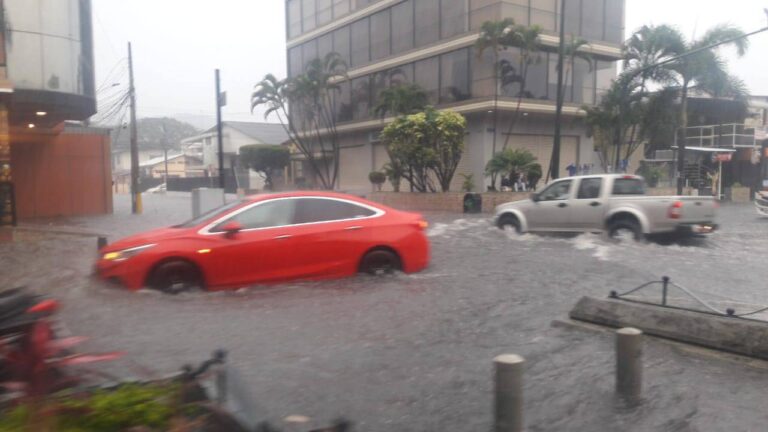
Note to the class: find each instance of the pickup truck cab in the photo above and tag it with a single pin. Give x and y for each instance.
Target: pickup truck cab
(612, 203)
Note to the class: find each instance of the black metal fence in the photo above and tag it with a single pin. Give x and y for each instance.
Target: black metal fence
(188, 183)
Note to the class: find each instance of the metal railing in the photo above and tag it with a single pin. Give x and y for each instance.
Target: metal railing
(666, 283)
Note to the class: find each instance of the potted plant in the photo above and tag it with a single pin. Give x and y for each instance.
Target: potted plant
(377, 178)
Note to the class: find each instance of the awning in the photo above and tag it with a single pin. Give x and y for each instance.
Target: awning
(709, 149)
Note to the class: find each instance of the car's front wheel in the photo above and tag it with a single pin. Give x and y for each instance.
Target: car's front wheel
(380, 261)
(510, 223)
(174, 277)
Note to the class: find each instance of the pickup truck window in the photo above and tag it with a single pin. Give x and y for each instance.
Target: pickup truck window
(556, 191)
(630, 186)
(589, 188)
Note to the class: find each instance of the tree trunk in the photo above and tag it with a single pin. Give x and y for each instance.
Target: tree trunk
(681, 138)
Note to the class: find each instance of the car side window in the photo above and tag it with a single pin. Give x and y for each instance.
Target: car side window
(265, 215)
(556, 191)
(589, 188)
(310, 210)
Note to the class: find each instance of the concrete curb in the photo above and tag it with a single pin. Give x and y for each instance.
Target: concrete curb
(739, 336)
(59, 229)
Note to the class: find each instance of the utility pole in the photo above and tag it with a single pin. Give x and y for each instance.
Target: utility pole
(219, 104)
(136, 206)
(165, 151)
(554, 164)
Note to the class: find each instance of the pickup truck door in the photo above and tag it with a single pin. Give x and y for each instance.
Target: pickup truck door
(588, 205)
(550, 211)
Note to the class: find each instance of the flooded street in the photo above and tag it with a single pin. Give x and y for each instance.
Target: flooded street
(413, 352)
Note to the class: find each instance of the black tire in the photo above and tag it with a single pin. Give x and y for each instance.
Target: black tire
(380, 261)
(618, 227)
(509, 221)
(174, 277)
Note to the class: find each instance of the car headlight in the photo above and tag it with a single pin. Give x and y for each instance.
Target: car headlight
(124, 254)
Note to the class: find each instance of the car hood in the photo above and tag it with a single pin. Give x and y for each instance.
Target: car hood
(513, 205)
(148, 237)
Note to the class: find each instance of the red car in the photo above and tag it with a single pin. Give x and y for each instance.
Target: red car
(270, 238)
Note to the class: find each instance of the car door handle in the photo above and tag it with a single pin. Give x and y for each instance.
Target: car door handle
(353, 228)
(283, 237)
(594, 204)
(561, 205)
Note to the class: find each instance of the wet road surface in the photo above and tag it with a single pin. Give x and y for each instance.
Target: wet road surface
(413, 352)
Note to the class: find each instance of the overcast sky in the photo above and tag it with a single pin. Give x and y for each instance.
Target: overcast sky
(177, 44)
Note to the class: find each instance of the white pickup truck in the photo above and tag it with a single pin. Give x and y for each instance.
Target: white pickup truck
(611, 203)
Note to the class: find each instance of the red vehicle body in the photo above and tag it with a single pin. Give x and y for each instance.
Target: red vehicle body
(271, 238)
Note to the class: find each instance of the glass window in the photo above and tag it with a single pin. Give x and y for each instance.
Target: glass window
(210, 215)
(517, 12)
(266, 215)
(309, 210)
(402, 27)
(344, 102)
(454, 76)
(614, 21)
(628, 186)
(309, 51)
(592, 16)
(589, 188)
(294, 62)
(361, 98)
(308, 15)
(453, 15)
(536, 78)
(341, 43)
(583, 81)
(543, 14)
(294, 18)
(426, 73)
(380, 29)
(605, 72)
(324, 45)
(510, 72)
(361, 49)
(340, 8)
(324, 14)
(427, 15)
(482, 73)
(400, 75)
(573, 17)
(556, 191)
(379, 83)
(567, 81)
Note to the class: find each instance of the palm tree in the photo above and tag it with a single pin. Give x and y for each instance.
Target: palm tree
(306, 107)
(402, 99)
(492, 36)
(573, 51)
(526, 39)
(699, 69)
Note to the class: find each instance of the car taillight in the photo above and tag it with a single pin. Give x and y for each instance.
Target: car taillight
(422, 224)
(675, 210)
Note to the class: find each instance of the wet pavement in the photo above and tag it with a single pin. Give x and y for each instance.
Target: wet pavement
(414, 352)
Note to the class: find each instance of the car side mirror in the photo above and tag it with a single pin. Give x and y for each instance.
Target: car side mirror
(535, 197)
(231, 228)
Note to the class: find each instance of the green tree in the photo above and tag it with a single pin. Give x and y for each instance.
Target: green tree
(401, 99)
(377, 178)
(266, 160)
(306, 107)
(156, 133)
(512, 162)
(429, 142)
(527, 40)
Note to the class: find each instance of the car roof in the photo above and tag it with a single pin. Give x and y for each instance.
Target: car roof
(318, 194)
(628, 176)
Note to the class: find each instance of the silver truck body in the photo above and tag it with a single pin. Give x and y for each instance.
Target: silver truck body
(607, 203)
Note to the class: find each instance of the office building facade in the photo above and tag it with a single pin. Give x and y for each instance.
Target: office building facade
(431, 43)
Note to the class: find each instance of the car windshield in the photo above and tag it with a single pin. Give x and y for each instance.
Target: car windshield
(211, 214)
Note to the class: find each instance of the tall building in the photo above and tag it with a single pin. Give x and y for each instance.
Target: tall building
(46, 79)
(431, 43)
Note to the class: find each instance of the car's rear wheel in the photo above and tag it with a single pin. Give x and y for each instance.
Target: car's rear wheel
(510, 223)
(174, 277)
(625, 229)
(380, 261)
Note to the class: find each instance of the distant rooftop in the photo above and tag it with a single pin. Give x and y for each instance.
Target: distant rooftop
(267, 133)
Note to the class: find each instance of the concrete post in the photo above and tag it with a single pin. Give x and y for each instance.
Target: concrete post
(508, 410)
(629, 363)
(101, 241)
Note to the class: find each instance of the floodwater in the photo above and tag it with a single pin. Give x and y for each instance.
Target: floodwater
(414, 352)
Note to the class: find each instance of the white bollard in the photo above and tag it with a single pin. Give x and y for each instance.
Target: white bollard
(629, 363)
(508, 410)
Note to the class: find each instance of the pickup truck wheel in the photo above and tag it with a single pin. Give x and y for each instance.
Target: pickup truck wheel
(624, 229)
(509, 222)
